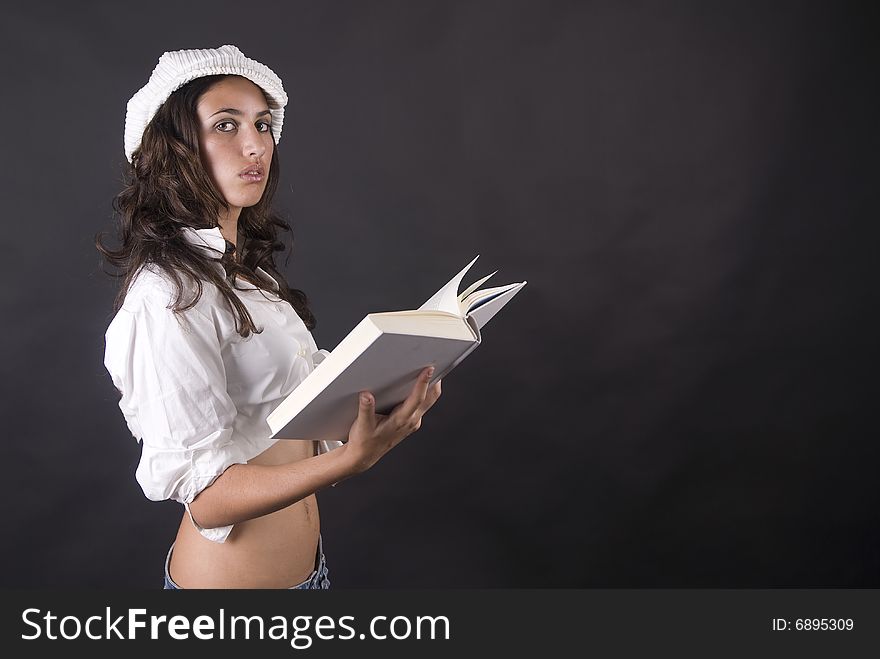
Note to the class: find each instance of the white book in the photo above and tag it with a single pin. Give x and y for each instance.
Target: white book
(384, 354)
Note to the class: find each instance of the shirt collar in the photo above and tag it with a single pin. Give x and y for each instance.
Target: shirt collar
(212, 243)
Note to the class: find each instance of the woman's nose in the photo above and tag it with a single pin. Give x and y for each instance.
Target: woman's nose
(253, 143)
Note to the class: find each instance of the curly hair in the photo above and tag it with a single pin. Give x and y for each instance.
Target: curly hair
(166, 188)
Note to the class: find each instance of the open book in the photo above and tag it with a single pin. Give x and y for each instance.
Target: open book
(384, 354)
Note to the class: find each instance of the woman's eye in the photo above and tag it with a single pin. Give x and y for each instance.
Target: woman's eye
(268, 126)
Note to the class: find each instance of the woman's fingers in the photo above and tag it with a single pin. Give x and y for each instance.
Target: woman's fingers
(413, 403)
(431, 397)
(373, 434)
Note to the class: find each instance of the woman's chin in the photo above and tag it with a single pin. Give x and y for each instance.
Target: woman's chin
(245, 201)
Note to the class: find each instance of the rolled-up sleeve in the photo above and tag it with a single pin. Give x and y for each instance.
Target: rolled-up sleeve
(169, 370)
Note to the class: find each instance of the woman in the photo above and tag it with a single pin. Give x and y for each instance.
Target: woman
(208, 338)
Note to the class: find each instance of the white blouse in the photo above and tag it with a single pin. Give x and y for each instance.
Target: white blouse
(194, 392)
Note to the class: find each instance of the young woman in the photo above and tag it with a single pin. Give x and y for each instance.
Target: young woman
(208, 338)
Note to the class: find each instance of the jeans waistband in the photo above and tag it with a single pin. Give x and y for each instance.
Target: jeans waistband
(317, 579)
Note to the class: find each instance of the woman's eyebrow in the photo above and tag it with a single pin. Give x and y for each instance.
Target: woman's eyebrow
(239, 112)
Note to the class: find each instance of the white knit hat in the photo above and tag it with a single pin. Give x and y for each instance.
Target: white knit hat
(178, 67)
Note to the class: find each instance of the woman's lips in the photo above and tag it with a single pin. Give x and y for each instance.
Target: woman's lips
(253, 173)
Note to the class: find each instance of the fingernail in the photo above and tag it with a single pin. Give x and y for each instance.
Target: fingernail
(430, 372)
(365, 399)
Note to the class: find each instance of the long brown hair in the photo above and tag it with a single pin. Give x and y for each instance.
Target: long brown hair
(166, 188)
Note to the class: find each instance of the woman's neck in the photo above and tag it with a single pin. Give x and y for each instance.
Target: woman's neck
(229, 225)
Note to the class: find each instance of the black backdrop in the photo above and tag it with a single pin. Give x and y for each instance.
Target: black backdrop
(683, 394)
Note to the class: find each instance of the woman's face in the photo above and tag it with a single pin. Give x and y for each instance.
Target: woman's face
(235, 137)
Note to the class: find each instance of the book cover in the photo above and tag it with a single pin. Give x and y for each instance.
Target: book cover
(384, 354)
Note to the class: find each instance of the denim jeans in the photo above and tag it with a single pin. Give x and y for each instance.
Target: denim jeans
(316, 581)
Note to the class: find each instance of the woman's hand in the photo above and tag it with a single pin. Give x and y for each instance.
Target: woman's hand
(373, 435)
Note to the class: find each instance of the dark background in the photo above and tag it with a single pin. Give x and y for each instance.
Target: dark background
(684, 393)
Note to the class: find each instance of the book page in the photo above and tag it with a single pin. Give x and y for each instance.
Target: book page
(478, 298)
(446, 299)
(471, 289)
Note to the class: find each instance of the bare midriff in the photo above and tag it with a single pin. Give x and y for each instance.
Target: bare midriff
(272, 551)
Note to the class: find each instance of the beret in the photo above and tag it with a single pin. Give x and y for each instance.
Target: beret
(177, 67)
